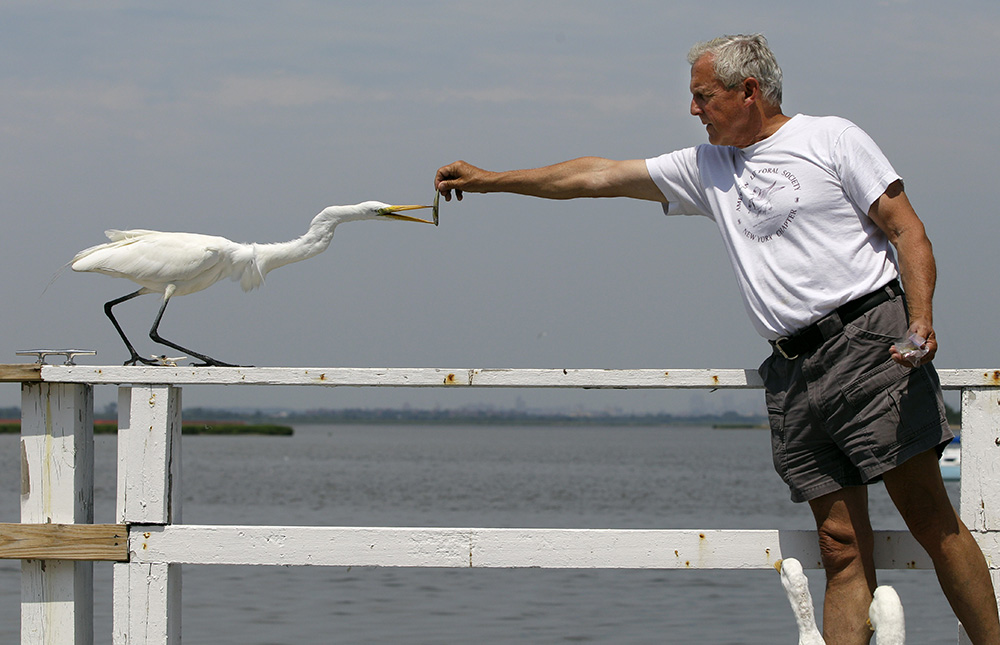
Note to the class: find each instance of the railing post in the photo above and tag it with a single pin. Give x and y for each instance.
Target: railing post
(57, 486)
(147, 596)
(980, 492)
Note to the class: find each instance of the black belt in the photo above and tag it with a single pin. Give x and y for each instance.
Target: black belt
(813, 336)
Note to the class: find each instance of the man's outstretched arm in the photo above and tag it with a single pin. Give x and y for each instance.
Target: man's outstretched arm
(583, 177)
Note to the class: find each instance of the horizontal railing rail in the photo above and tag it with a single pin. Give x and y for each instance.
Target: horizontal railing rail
(951, 379)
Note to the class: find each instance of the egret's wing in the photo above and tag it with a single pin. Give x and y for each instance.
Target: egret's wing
(154, 259)
(115, 235)
(112, 234)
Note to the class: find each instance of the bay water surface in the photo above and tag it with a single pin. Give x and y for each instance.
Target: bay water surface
(480, 476)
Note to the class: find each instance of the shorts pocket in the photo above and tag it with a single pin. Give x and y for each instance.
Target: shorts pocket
(865, 368)
(919, 403)
(774, 401)
(776, 421)
(863, 389)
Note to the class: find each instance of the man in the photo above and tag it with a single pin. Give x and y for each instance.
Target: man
(808, 209)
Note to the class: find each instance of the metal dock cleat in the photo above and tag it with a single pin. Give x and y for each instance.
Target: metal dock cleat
(70, 354)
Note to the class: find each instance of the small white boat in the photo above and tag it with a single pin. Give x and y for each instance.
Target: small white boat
(951, 460)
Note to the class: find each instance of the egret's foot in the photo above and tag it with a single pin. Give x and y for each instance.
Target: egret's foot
(139, 359)
(211, 362)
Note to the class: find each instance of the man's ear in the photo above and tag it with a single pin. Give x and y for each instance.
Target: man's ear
(751, 90)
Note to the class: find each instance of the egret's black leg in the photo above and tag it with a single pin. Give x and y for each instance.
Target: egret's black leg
(155, 335)
(135, 358)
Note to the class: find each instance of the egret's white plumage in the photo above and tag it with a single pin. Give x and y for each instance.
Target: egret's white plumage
(176, 264)
(886, 617)
(797, 587)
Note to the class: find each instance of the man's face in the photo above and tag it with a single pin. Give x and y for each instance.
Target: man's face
(723, 111)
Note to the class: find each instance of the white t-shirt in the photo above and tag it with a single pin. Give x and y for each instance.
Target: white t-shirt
(793, 213)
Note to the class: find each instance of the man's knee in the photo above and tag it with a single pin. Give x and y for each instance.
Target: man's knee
(844, 546)
(931, 523)
(845, 532)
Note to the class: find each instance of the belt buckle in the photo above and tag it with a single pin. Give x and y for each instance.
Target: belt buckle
(777, 346)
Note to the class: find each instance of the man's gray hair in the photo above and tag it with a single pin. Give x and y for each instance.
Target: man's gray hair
(737, 58)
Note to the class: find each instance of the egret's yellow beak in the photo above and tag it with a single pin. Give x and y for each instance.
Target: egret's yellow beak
(393, 212)
(777, 566)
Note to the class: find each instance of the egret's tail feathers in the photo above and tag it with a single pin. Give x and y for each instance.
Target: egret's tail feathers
(113, 235)
(82, 254)
(55, 275)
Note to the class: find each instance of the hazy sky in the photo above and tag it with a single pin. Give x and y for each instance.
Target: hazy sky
(246, 118)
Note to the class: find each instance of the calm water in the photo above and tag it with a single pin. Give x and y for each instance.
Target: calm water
(480, 476)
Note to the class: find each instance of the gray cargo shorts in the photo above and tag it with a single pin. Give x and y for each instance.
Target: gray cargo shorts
(845, 413)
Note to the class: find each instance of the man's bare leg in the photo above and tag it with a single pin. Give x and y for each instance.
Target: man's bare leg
(846, 543)
(917, 490)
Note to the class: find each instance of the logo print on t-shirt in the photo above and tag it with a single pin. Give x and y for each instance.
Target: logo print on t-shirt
(768, 202)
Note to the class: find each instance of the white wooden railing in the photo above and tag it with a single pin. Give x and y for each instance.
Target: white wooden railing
(58, 542)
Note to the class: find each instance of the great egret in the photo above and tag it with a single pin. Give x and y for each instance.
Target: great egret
(176, 264)
(797, 587)
(886, 617)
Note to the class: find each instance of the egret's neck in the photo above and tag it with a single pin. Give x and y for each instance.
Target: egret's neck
(314, 242)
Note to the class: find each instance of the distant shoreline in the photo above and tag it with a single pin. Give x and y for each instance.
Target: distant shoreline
(244, 422)
(13, 426)
(396, 416)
